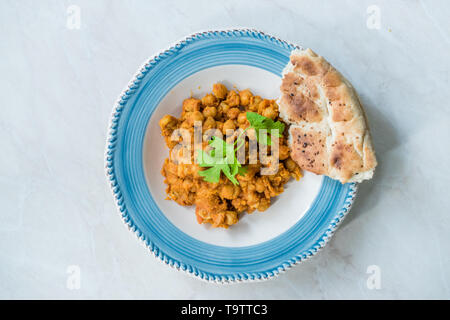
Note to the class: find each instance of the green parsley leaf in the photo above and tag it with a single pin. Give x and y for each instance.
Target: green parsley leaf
(259, 122)
(227, 171)
(211, 175)
(218, 163)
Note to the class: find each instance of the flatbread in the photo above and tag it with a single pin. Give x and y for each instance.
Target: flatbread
(328, 132)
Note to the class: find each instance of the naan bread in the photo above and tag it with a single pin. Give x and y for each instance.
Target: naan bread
(328, 131)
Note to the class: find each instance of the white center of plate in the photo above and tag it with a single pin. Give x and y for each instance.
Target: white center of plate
(286, 209)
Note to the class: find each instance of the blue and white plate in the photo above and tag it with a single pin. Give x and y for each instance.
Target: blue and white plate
(263, 244)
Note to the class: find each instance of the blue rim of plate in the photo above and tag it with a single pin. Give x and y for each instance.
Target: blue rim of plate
(125, 173)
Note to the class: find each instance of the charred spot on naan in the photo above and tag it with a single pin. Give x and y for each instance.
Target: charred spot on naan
(309, 149)
(331, 78)
(292, 83)
(299, 96)
(338, 103)
(338, 96)
(301, 108)
(345, 159)
(307, 66)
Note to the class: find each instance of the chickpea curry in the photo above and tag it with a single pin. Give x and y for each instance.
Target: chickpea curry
(222, 192)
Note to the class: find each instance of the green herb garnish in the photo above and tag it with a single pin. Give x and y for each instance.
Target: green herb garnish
(259, 122)
(222, 157)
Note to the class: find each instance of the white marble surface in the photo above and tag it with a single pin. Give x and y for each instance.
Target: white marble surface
(58, 85)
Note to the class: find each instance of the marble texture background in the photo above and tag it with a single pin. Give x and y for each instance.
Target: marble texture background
(58, 86)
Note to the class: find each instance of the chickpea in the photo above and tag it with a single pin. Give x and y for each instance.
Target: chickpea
(231, 217)
(264, 204)
(224, 107)
(220, 91)
(233, 113)
(285, 175)
(236, 191)
(244, 126)
(270, 112)
(283, 152)
(251, 134)
(242, 118)
(276, 181)
(188, 184)
(191, 104)
(254, 103)
(252, 197)
(263, 105)
(228, 125)
(233, 99)
(209, 100)
(218, 218)
(236, 203)
(229, 192)
(245, 96)
(260, 185)
(210, 112)
(195, 116)
(226, 192)
(219, 125)
(210, 123)
(168, 124)
(172, 179)
(167, 121)
(186, 124)
(290, 164)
